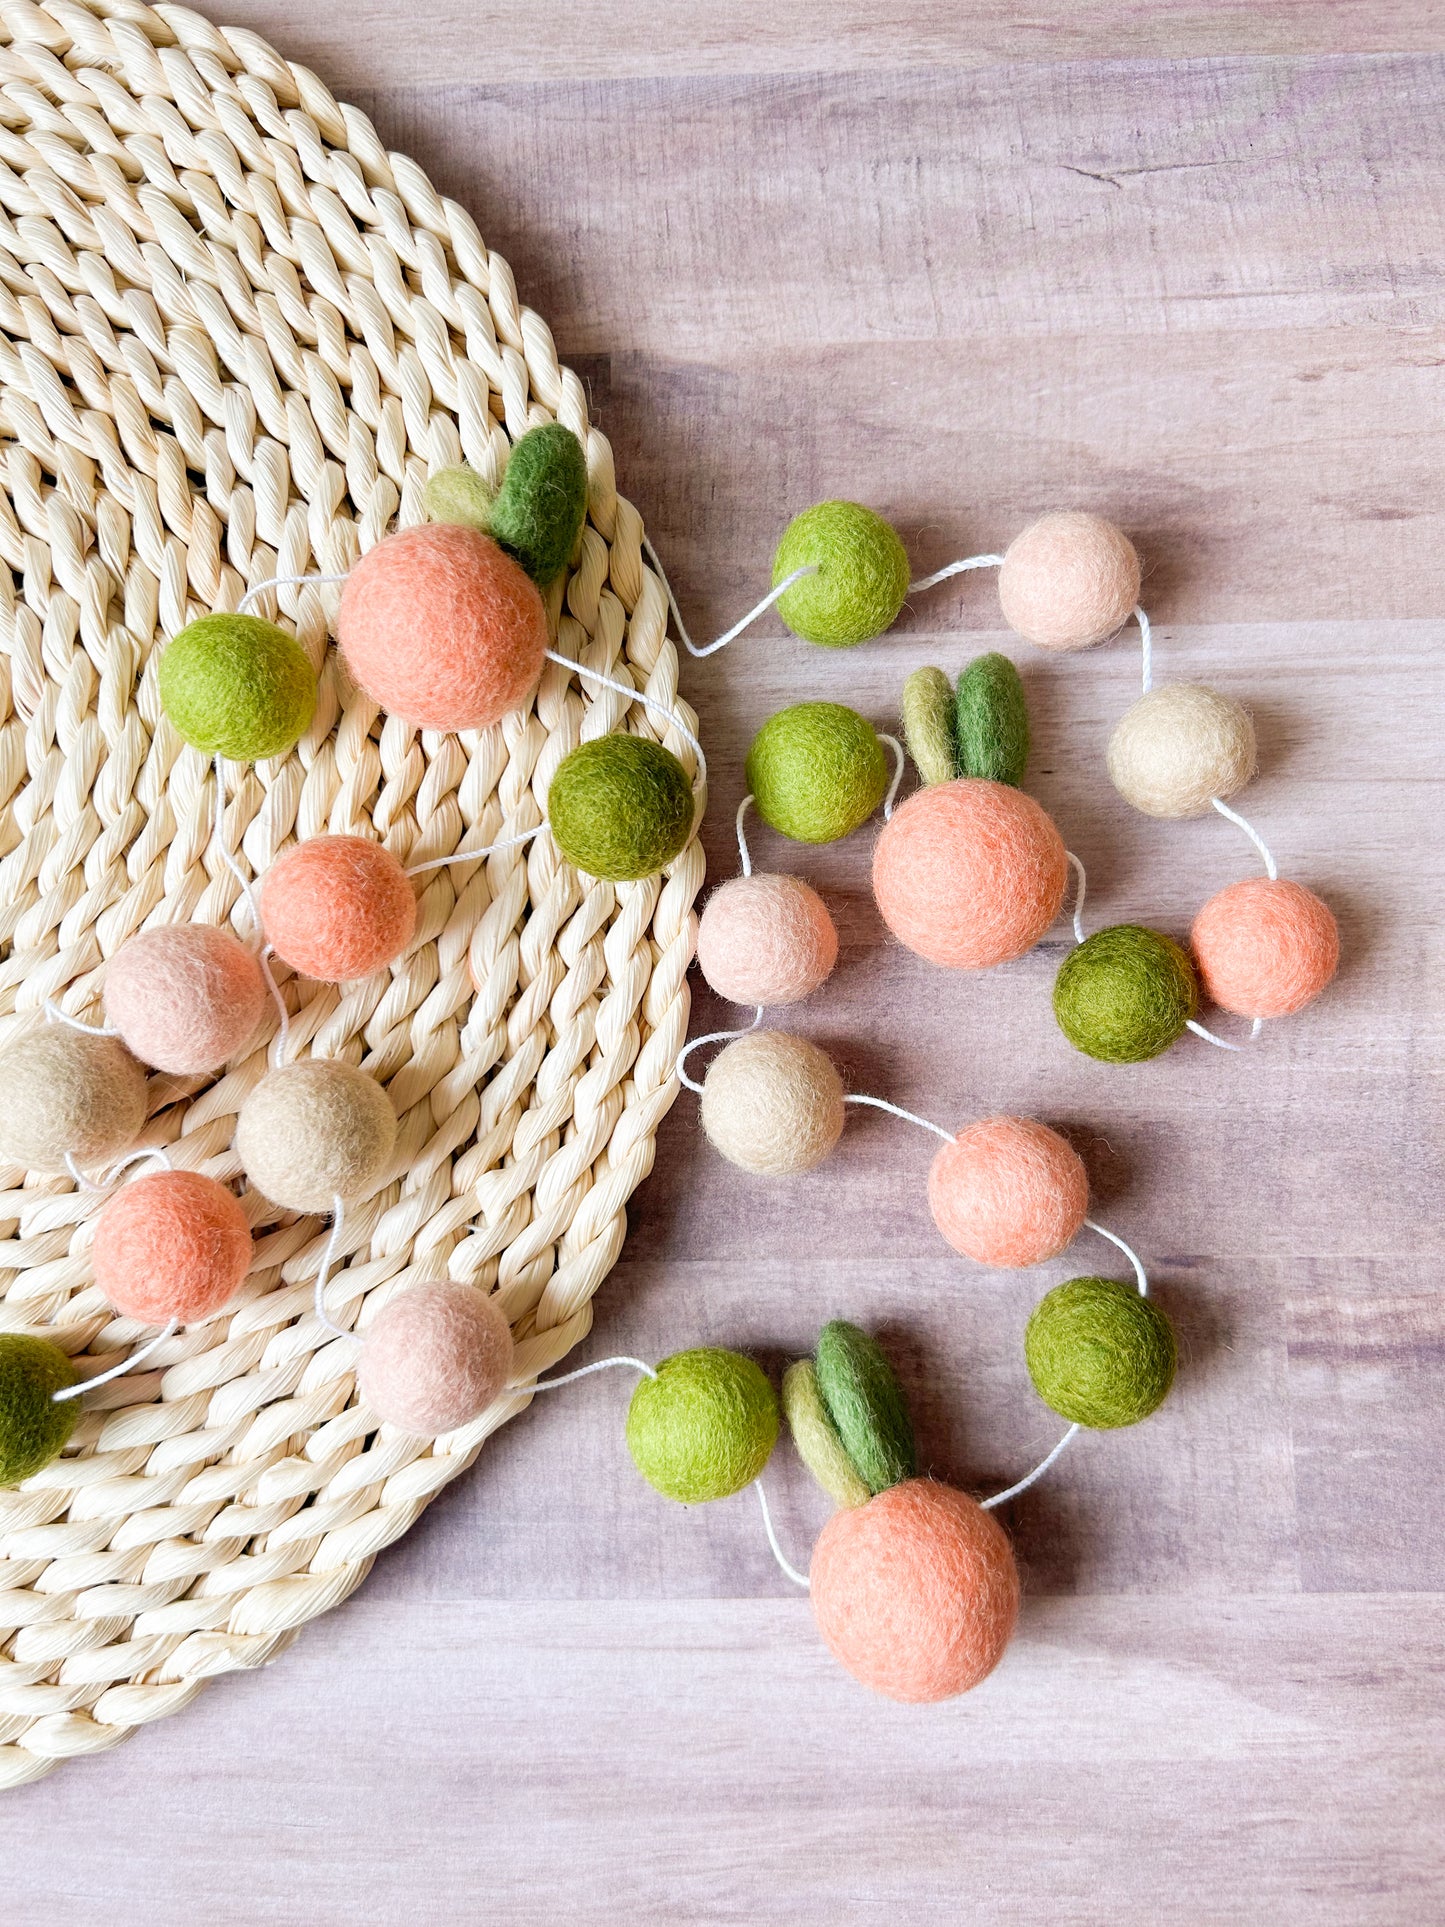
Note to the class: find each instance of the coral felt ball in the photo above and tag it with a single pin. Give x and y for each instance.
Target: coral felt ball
(337, 907)
(315, 1131)
(704, 1427)
(33, 1425)
(860, 574)
(172, 1245)
(1125, 994)
(915, 1593)
(1179, 747)
(816, 1437)
(184, 997)
(65, 1090)
(865, 1401)
(969, 873)
(435, 1357)
(620, 807)
(772, 1103)
(1068, 581)
(238, 687)
(1008, 1191)
(1265, 947)
(1099, 1354)
(766, 940)
(441, 628)
(816, 771)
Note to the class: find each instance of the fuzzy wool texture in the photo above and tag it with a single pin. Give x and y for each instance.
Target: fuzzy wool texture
(184, 997)
(620, 807)
(992, 721)
(1068, 581)
(33, 1427)
(1125, 994)
(915, 1593)
(772, 1104)
(314, 1131)
(442, 629)
(542, 503)
(68, 1090)
(1179, 747)
(1008, 1191)
(435, 1357)
(816, 1437)
(1265, 947)
(928, 725)
(817, 771)
(970, 873)
(172, 1245)
(862, 574)
(766, 939)
(237, 687)
(704, 1427)
(862, 1396)
(460, 496)
(338, 907)
(1099, 1354)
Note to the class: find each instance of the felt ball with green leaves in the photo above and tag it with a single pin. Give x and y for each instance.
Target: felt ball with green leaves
(33, 1425)
(865, 1401)
(817, 771)
(620, 807)
(859, 579)
(1125, 994)
(1099, 1354)
(704, 1427)
(237, 687)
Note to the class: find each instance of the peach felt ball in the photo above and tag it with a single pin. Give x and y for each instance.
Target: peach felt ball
(969, 873)
(338, 908)
(185, 997)
(1008, 1191)
(173, 1245)
(1068, 581)
(442, 629)
(766, 940)
(916, 1593)
(1265, 947)
(435, 1357)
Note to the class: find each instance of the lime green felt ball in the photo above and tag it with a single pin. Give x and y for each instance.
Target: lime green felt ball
(1125, 994)
(459, 496)
(1099, 1354)
(542, 503)
(33, 1427)
(866, 1404)
(620, 807)
(816, 771)
(861, 579)
(238, 687)
(704, 1427)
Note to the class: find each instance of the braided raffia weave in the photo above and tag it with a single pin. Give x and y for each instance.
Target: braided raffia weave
(238, 336)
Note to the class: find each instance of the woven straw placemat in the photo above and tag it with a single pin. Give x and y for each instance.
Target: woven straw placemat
(238, 335)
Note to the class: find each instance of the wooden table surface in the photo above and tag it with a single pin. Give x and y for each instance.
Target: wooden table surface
(1184, 265)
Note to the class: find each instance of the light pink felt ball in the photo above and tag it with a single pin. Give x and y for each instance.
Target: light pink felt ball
(766, 940)
(184, 997)
(338, 907)
(172, 1245)
(1008, 1191)
(435, 1357)
(1068, 581)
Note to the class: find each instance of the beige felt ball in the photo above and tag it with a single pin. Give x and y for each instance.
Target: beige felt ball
(766, 940)
(65, 1090)
(1179, 747)
(1068, 581)
(772, 1103)
(316, 1131)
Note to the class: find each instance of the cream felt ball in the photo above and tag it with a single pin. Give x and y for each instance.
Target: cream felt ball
(704, 1427)
(34, 1426)
(441, 628)
(970, 873)
(1179, 747)
(65, 1090)
(1008, 1191)
(1099, 1354)
(175, 1244)
(1265, 947)
(860, 574)
(772, 1104)
(315, 1131)
(184, 997)
(766, 940)
(435, 1357)
(915, 1593)
(238, 687)
(1068, 581)
(817, 771)
(620, 807)
(338, 907)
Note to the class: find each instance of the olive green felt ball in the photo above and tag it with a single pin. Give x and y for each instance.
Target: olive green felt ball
(1125, 994)
(992, 720)
(459, 496)
(620, 807)
(928, 726)
(866, 1404)
(861, 579)
(1099, 1354)
(33, 1427)
(542, 503)
(816, 771)
(237, 687)
(704, 1427)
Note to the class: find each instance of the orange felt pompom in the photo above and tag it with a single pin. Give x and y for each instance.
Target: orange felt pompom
(969, 873)
(916, 1592)
(1265, 947)
(173, 1245)
(1008, 1191)
(442, 629)
(337, 907)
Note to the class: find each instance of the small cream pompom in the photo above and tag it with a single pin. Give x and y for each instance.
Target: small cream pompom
(773, 1103)
(65, 1090)
(1179, 747)
(1068, 581)
(315, 1131)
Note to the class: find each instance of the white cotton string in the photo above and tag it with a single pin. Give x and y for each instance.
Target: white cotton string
(282, 582)
(1271, 869)
(277, 1053)
(475, 856)
(798, 1578)
(743, 858)
(897, 783)
(1079, 899)
(1147, 641)
(894, 1110)
(713, 1037)
(1209, 1037)
(1029, 1478)
(328, 1259)
(636, 695)
(1141, 1277)
(759, 609)
(55, 1015)
(1256, 1027)
(127, 1365)
(113, 1171)
(955, 568)
(585, 1371)
(230, 862)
